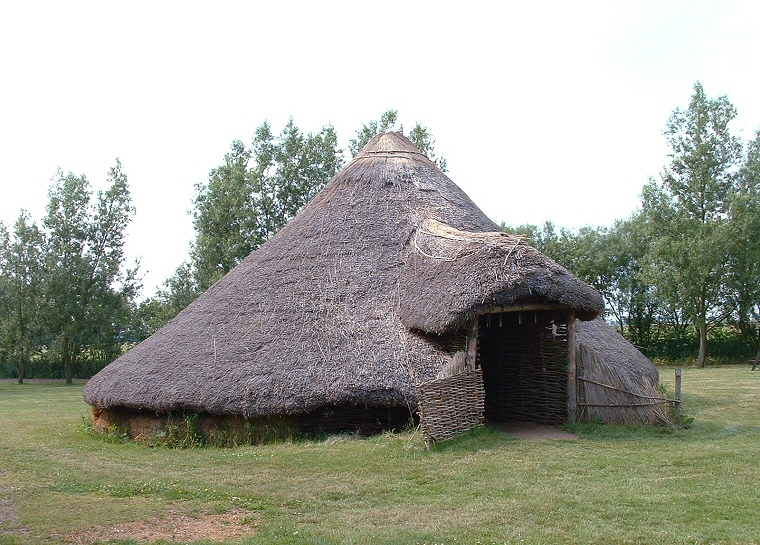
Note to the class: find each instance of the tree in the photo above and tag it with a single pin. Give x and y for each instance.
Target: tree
(303, 166)
(582, 252)
(423, 139)
(224, 217)
(627, 293)
(688, 212)
(256, 192)
(87, 289)
(21, 259)
(248, 199)
(419, 136)
(610, 259)
(743, 242)
(177, 292)
(387, 122)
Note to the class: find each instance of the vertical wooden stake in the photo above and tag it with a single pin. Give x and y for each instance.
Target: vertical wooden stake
(572, 390)
(472, 344)
(677, 412)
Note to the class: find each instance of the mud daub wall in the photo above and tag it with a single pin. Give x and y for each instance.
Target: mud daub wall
(524, 360)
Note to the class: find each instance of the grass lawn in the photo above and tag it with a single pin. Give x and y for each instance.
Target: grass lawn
(58, 484)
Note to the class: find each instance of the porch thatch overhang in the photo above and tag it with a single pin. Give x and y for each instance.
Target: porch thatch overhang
(452, 276)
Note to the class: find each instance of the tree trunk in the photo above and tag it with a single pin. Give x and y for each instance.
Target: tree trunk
(702, 343)
(68, 365)
(69, 371)
(21, 366)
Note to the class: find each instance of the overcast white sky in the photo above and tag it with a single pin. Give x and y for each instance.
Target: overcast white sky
(544, 110)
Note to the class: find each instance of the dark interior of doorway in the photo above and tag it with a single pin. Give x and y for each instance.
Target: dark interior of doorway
(524, 360)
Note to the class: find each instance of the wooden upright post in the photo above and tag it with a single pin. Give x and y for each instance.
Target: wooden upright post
(677, 408)
(472, 344)
(572, 387)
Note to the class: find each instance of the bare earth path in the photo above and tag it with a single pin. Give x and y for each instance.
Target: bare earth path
(534, 432)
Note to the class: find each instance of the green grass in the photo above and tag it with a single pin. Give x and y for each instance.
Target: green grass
(616, 484)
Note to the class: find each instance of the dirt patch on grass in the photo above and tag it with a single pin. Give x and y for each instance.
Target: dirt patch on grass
(234, 524)
(8, 518)
(534, 432)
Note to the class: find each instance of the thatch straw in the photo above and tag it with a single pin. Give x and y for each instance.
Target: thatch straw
(478, 271)
(617, 383)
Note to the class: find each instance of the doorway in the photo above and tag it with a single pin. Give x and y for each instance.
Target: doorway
(524, 358)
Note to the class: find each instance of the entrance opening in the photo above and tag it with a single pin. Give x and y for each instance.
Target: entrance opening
(524, 360)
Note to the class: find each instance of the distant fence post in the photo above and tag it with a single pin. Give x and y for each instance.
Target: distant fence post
(677, 412)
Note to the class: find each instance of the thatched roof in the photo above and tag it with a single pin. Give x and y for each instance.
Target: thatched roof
(335, 308)
(609, 345)
(451, 276)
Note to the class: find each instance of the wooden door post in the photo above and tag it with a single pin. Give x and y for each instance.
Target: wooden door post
(472, 344)
(572, 384)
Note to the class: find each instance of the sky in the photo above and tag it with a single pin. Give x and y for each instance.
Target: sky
(545, 111)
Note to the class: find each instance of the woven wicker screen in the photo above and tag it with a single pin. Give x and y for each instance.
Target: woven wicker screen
(451, 405)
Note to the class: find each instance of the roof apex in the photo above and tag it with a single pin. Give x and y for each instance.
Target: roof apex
(389, 142)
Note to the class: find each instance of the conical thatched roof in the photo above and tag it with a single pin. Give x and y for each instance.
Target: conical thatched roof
(339, 307)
